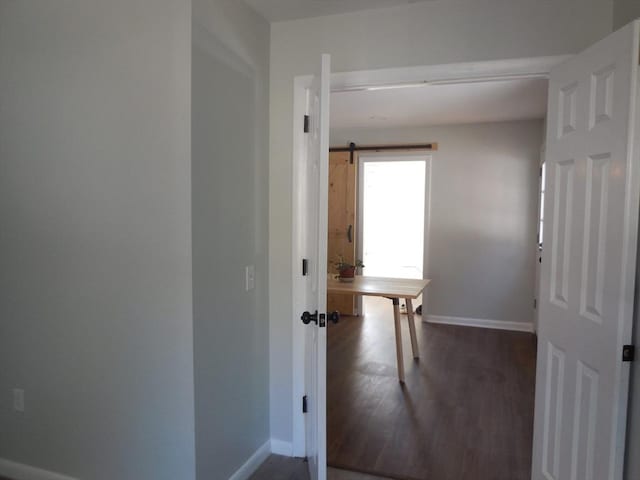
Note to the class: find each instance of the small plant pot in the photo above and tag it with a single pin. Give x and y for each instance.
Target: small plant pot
(347, 274)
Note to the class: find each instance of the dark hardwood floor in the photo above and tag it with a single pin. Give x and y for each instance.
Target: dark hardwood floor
(277, 467)
(286, 468)
(465, 412)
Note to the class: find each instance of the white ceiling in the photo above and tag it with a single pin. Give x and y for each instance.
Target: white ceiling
(278, 10)
(520, 99)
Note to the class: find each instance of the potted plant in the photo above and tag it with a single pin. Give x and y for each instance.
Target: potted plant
(347, 270)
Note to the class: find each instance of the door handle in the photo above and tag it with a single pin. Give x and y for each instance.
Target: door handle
(307, 317)
(350, 233)
(319, 319)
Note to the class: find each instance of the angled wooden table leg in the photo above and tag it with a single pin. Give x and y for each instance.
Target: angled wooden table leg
(412, 329)
(394, 289)
(396, 321)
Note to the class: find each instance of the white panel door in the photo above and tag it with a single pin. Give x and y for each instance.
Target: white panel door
(314, 248)
(588, 265)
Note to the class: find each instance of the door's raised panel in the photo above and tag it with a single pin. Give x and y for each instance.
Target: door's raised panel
(601, 98)
(553, 402)
(595, 236)
(584, 423)
(567, 109)
(562, 224)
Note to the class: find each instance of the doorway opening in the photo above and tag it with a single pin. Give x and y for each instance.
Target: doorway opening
(573, 108)
(361, 81)
(465, 216)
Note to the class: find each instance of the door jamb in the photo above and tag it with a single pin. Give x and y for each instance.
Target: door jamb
(454, 73)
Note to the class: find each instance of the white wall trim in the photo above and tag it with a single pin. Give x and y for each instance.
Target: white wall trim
(279, 447)
(481, 323)
(254, 461)
(540, 66)
(20, 471)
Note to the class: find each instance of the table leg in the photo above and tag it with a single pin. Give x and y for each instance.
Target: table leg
(412, 329)
(396, 321)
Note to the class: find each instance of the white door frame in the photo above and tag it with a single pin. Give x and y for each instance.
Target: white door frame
(360, 80)
(416, 155)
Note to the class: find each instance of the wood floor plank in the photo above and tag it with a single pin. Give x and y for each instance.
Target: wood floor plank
(278, 468)
(465, 411)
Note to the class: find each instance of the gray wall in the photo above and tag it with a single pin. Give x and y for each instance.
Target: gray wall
(95, 270)
(624, 11)
(484, 205)
(229, 145)
(425, 33)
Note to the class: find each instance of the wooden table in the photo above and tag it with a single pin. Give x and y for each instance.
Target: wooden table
(393, 289)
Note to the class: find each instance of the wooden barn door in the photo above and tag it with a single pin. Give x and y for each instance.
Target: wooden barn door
(342, 222)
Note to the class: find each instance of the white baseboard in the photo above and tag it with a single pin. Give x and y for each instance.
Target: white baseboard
(279, 447)
(252, 464)
(480, 322)
(20, 471)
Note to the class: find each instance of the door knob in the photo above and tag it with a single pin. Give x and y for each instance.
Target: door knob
(307, 317)
(334, 316)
